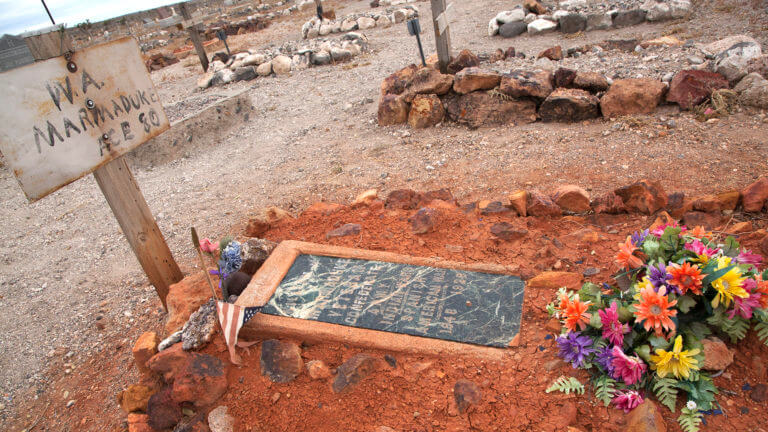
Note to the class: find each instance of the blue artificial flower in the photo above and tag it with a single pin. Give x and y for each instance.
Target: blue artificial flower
(604, 357)
(230, 260)
(659, 276)
(574, 348)
(638, 237)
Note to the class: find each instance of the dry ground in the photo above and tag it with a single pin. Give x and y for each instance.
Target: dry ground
(70, 287)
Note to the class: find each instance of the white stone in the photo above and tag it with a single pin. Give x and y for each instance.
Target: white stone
(254, 60)
(541, 26)
(348, 25)
(216, 66)
(571, 4)
(224, 76)
(493, 27)
(544, 63)
(354, 49)
(264, 69)
(517, 14)
(531, 17)
(599, 21)
(365, 23)
(241, 56)
(753, 91)
(732, 63)
(313, 33)
(383, 22)
(325, 29)
(680, 8)
(281, 65)
(205, 81)
(340, 54)
(220, 421)
(398, 16)
(559, 14)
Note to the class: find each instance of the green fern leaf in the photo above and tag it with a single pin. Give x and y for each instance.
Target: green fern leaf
(666, 392)
(762, 332)
(605, 389)
(567, 385)
(690, 420)
(736, 328)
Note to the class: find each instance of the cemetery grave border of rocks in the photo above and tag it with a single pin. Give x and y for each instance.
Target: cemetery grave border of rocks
(359, 21)
(575, 16)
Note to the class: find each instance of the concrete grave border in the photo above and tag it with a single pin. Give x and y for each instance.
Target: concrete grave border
(266, 280)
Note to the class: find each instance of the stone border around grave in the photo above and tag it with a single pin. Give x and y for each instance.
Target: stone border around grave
(266, 280)
(575, 16)
(359, 21)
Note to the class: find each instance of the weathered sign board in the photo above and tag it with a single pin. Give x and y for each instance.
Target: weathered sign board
(380, 292)
(62, 119)
(14, 53)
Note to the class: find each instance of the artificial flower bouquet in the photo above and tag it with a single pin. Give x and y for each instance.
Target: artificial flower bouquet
(643, 335)
(227, 255)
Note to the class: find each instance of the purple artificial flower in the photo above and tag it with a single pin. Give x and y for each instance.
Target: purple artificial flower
(638, 237)
(747, 257)
(604, 357)
(659, 276)
(574, 348)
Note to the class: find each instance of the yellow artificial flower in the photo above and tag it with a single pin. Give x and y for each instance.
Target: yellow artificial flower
(729, 285)
(645, 283)
(676, 362)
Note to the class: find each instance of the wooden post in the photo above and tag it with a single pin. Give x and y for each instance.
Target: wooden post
(194, 36)
(442, 34)
(51, 43)
(123, 195)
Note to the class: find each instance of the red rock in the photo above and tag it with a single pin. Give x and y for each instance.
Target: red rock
(729, 200)
(678, 205)
(274, 215)
(254, 252)
(542, 205)
(396, 83)
(467, 395)
(554, 53)
(707, 203)
(508, 232)
(644, 196)
(608, 203)
(753, 197)
(201, 381)
(662, 219)
(591, 81)
(555, 279)
(139, 423)
(482, 109)
(281, 361)
(509, 53)
(163, 412)
(569, 105)
(462, 61)
(741, 227)
(632, 96)
(759, 393)
(534, 6)
(393, 110)
(690, 88)
(518, 201)
(438, 194)
(134, 398)
(423, 221)
(564, 77)
(354, 370)
(402, 199)
(185, 298)
(343, 231)
(317, 369)
(473, 78)
(426, 111)
(428, 81)
(497, 56)
(491, 207)
(717, 356)
(707, 220)
(572, 199)
(519, 84)
(323, 209)
(645, 418)
(168, 361)
(366, 198)
(256, 227)
(144, 348)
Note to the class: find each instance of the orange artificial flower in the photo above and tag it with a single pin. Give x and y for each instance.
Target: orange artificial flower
(686, 277)
(626, 258)
(576, 314)
(654, 310)
(699, 232)
(762, 288)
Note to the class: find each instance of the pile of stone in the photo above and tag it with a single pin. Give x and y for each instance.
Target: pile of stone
(291, 56)
(159, 61)
(479, 96)
(573, 16)
(359, 21)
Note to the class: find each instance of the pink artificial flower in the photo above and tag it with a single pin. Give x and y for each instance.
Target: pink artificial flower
(629, 369)
(207, 246)
(700, 249)
(745, 306)
(659, 230)
(747, 257)
(613, 329)
(709, 111)
(627, 400)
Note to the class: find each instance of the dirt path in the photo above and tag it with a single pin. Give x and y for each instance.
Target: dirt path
(66, 271)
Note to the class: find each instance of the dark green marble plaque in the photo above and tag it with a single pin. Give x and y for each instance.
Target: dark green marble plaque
(455, 305)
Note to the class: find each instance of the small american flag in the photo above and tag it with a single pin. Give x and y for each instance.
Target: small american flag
(232, 318)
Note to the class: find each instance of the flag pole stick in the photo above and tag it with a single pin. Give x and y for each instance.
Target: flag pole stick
(196, 242)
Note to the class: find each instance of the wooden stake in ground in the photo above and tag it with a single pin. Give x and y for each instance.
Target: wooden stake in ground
(196, 243)
(194, 35)
(442, 34)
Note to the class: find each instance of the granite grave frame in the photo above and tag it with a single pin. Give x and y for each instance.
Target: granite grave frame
(267, 279)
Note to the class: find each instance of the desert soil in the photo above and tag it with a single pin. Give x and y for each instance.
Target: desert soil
(73, 297)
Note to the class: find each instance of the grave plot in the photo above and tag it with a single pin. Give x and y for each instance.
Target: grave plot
(573, 16)
(360, 21)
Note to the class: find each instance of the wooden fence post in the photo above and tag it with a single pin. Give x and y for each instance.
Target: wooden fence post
(442, 34)
(194, 35)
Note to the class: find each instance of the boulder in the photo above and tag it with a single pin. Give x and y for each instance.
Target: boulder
(144, 348)
(205, 81)
(667, 10)
(383, 22)
(572, 22)
(281, 65)
(645, 418)
(515, 15)
(534, 6)
(134, 398)
(555, 279)
(281, 361)
(717, 356)
(753, 91)
(465, 59)
(396, 83)
(402, 199)
(264, 69)
(707, 220)
(599, 21)
(352, 371)
(541, 26)
(393, 110)
(201, 380)
(591, 81)
(482, 109)
(753, 197)
(162, 410)
(732, 62)
(348, 25)
(426, 81)
(508, 232)
(365, 23)
(344, 231)
(493, 27)
(609, 203)
(644, 196)
(512, 29)
(467, 395)
(254, 59)
(554, 53)
(690, 88)
(569, 105)
(541, 205)
(184, 298)
(708, 203)
(564, 77)
(626, 18)
(473, 78)
(519, 84)
(632, 96)
(572, 199)
(426, 111)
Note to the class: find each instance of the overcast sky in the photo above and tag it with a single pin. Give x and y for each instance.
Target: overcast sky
(17, 16)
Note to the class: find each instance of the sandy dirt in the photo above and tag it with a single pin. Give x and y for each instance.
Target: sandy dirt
(73, 297)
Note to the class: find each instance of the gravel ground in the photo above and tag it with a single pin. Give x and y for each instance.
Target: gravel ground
(70, 283)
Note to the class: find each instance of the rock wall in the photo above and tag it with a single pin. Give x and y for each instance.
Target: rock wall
(360, 21)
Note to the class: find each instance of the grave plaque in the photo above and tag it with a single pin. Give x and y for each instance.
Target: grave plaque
(442, 303)
(14, 53)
